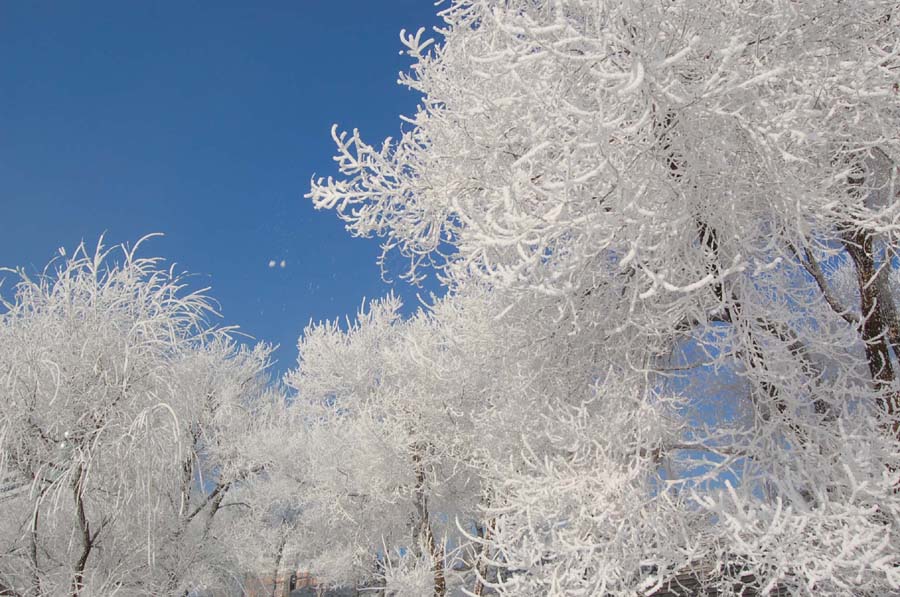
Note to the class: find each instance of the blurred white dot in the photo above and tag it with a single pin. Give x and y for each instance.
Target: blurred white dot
(283, 263)
(271, 263)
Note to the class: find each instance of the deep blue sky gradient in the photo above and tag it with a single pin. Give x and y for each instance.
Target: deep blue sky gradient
(204, 121)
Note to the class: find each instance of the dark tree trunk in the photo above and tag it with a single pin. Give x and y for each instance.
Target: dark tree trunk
(84, 527)
(423, 536)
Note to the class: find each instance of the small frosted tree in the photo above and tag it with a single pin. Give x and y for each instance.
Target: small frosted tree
(122, 410)
(377, 449)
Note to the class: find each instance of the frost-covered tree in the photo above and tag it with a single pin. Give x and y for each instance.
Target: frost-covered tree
(430, 429)
(122, 417)
(372, 463)
(647, 213)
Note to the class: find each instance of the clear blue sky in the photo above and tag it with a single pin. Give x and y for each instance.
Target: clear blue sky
(204, 121)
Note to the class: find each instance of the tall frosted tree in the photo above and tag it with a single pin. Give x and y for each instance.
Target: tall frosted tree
(686, 211)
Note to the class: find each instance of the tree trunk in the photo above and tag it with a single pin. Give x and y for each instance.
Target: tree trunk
(423, 536)
(278, 556)
(481, 564)
(33, 549)
(84, 527)
(878, 319)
